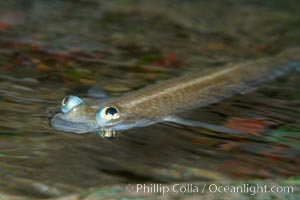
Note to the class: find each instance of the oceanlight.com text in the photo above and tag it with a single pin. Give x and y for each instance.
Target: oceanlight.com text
(251, 189)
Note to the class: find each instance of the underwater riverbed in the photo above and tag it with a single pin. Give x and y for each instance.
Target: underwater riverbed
(51, 49)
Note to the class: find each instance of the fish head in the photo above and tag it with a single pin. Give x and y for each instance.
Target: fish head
(74, 116)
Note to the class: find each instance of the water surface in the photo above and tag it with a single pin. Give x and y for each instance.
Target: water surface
(52, 49)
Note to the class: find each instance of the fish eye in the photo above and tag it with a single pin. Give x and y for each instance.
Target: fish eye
(70, 102)
(107, 113)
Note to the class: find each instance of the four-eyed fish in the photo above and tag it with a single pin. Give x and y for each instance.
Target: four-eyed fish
(160, 102)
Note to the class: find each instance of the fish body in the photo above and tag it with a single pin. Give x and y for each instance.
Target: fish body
(157, 102)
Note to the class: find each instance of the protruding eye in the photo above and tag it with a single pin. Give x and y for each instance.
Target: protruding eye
(69, 103)
(107, 113)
